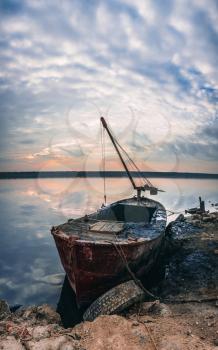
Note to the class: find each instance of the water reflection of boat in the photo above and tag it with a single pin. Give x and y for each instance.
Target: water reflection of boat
(67, 306)
(99, 250)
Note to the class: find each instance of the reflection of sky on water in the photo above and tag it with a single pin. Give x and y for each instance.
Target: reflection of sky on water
(182, 193)
(30, 270)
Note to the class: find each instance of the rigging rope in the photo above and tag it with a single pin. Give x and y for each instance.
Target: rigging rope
(174, 212)
(131, 161)
(103, 159)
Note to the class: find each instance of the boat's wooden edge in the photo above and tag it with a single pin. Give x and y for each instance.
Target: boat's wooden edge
(160, 226)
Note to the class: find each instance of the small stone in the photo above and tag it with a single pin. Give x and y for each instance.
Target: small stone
(27, 313)
(165, 310)
(40, 332)
(216, 342)
(213, 215)
(156, 308)
(4, 309)
(189, 332)
(195, 222)
(207, 219)
(69, 346)
(76, 336)
(10, 343)
(59, 342)
(148, 320)
(180, 218)
(196, 216)
(47, 313)
(135, 323)
(197, 323)
(146, 307)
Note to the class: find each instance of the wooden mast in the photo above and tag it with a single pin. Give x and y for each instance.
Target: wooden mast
(138, 188)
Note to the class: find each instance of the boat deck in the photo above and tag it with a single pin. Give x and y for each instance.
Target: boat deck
(125, 220)
(108, 230)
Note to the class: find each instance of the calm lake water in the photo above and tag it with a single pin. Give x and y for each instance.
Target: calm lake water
(30, 269)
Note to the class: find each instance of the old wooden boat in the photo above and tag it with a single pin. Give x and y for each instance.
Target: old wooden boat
(102, 249)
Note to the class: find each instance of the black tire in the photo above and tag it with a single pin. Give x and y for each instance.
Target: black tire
(114, 300)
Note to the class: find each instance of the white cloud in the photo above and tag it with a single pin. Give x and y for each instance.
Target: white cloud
(157, 57)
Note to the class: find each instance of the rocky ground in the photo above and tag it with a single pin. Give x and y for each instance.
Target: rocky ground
(185, 317)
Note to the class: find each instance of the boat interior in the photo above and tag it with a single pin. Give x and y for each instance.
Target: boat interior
(121, 220)
(126, 213)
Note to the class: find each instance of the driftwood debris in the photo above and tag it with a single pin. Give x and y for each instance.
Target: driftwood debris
(197, 210)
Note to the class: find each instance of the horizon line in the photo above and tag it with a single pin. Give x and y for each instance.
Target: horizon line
(94, 173)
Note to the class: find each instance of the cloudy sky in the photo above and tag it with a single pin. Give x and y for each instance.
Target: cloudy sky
(148, 66)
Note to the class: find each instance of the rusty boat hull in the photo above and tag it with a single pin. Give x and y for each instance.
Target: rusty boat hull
(96, 249)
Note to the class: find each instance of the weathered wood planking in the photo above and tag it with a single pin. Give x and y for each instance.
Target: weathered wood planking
(107, 227)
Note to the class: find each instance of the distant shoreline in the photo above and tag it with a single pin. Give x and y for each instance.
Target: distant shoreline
(100, 174)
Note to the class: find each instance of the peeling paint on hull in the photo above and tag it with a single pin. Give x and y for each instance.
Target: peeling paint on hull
(95, 266)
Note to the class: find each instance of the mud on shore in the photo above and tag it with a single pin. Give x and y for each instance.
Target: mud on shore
(185, 317)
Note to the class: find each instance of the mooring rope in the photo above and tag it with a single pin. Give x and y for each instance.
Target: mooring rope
(175, 212)
(147, 328)
(137, 281)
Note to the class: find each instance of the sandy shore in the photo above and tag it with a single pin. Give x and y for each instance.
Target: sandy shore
(185, 318)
